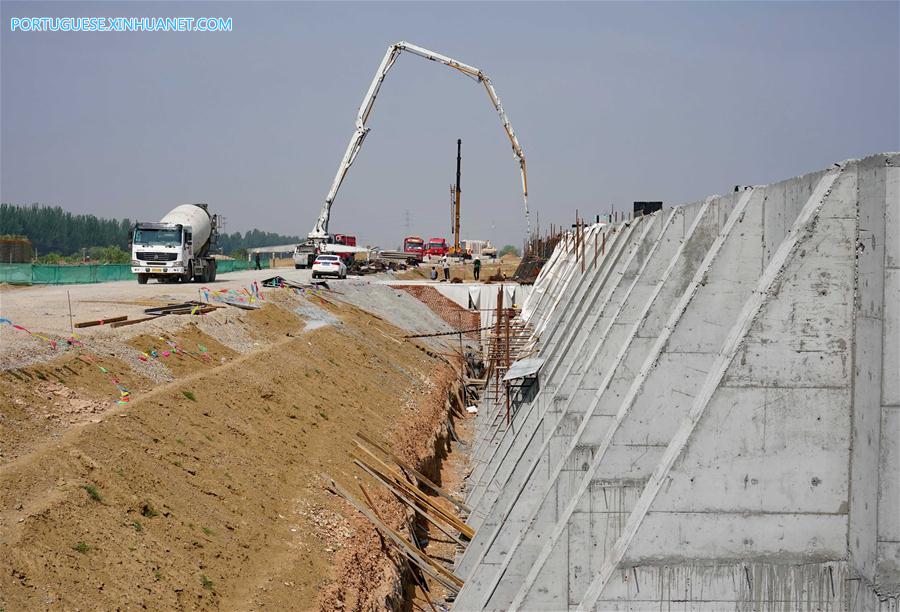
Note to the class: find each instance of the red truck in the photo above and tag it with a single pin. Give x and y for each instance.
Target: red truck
(345, 239)
(414, 246)
(437, 247)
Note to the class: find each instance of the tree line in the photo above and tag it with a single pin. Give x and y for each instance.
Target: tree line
(59, 234)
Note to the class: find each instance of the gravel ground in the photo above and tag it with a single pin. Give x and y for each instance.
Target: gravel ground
(399, 308)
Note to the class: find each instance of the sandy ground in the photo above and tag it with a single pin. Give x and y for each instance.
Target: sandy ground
(203, 489)
(506, 265)
(46, 306)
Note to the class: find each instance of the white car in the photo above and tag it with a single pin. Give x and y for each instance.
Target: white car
(329, 265)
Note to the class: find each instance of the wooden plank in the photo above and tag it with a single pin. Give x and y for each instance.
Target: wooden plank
(417, 576)
(443, 493)
(400, 481)
(99, 322)
(432, 568)
(375, 474)
(133, 321)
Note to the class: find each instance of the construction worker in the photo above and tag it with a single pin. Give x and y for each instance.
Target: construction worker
(446, 269)
(476, 268)
(258, 267)
(433, 273)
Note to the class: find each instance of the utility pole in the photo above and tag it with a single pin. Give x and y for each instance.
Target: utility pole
(456, 196)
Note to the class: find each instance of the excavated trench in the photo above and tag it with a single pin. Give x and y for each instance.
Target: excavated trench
(377, 575)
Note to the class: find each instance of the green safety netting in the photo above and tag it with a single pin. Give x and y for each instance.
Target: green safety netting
(231, 265)
(16, 274)
(36, 274)
(75, 275)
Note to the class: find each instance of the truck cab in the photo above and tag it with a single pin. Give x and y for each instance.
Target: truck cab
(437, 247)
(414, 247)
(173, 250)
(305, 254)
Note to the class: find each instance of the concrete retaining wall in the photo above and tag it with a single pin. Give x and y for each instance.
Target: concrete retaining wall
(718, 416)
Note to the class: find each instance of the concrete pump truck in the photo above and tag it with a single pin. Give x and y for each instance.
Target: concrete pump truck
(318, 238)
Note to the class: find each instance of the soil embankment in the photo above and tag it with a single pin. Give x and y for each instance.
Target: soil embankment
(204, 489)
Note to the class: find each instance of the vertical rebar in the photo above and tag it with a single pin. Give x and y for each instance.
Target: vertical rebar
(507, 363)
(497, 335)
(581, 230)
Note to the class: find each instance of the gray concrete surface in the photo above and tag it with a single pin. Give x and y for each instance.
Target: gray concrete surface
(717, 425)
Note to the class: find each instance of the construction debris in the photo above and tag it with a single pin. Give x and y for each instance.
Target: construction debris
(188, 308)
(280, 281)
(428, 565)
(422, 478)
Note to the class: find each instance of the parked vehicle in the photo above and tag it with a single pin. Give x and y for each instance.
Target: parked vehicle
(414, 246)
(306, 252)
(177, 248)
(329, 265)
(479, 249)
(437, 247)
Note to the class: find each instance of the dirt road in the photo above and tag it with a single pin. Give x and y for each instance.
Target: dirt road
(46, 306)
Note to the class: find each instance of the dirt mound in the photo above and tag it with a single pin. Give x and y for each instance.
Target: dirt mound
(39, 402)
(205, 492)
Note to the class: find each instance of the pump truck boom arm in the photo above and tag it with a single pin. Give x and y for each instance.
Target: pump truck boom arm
(320, 231)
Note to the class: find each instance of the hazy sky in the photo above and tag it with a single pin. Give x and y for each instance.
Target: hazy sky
(612, 102)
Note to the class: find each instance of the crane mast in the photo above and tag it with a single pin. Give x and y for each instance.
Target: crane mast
(456, 195)
(320, 230)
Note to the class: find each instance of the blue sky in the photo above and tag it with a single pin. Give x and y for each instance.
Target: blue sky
(612, 102)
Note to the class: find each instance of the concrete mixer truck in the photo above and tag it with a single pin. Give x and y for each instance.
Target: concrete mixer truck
(177, 248)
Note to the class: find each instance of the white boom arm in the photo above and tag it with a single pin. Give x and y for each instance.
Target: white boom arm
(320, 231)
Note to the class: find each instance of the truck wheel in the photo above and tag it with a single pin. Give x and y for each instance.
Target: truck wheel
(297, 266)
(188, 274)
(142, 279)
(212, 271)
